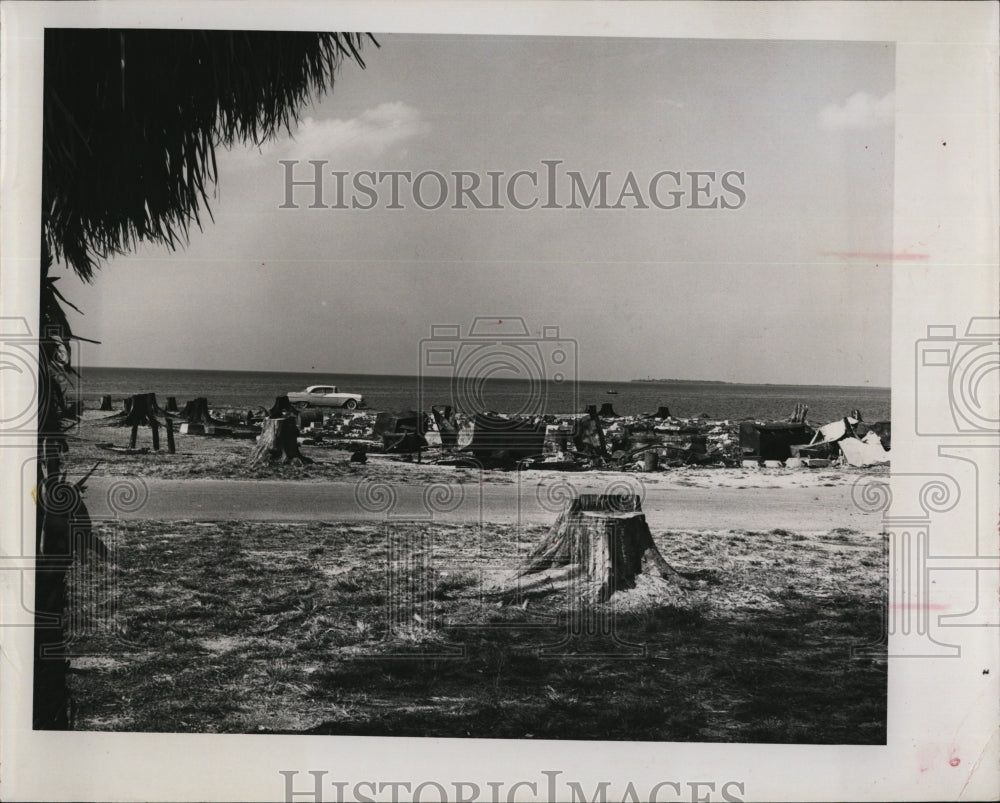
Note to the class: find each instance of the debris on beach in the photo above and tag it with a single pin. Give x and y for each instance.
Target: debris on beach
(196, 418)
(867, 451)
(596, 439)
(401, 432)
(495, 437)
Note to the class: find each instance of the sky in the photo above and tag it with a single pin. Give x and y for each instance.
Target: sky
(790, 287)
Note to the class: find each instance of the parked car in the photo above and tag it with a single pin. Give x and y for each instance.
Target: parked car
(325, 396)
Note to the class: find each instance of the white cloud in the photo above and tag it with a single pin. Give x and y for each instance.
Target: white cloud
(860, 110)
(371, 134)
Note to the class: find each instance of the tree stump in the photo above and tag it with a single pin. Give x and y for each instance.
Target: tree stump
(196, 412)
(171, 404)
(279, 440)
(106, 403)
(141, 410)
(280, 407)
(599, 546)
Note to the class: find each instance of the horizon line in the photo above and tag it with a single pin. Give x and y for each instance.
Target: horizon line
(638, 381)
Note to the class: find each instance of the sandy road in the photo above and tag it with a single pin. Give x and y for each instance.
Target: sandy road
(714, 508)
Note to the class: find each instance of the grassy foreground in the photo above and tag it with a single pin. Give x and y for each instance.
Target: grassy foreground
(251, 627)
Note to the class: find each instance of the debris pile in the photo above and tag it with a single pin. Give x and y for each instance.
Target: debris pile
(594, 439)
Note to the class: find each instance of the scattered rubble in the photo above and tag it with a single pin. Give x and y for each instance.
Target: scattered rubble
(594, 439)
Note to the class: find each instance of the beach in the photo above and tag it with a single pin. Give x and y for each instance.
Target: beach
(261, 590)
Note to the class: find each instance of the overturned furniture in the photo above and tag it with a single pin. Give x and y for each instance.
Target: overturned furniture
(490, 437)
(861, 444)
(401, 431)
(772, 441)
(599, 546)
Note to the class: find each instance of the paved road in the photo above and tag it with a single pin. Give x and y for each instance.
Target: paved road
(817, 508)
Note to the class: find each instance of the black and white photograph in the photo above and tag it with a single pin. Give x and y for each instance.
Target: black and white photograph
(514, 388)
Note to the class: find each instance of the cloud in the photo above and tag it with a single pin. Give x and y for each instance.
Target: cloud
(369, 135)
(861, 110)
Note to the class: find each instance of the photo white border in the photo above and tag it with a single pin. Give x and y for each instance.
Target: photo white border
(946, 207)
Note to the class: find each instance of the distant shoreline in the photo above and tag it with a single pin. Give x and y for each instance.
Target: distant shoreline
(694, 382)
(323, 376)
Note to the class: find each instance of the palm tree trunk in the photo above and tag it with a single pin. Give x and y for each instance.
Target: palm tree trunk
(50, 704)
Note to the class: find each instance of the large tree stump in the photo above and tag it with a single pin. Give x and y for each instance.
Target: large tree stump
(279, 440)
(599, 546)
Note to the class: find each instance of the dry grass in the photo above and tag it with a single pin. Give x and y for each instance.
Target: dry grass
(244, 627)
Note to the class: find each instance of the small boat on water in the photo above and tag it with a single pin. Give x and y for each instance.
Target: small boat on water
(612, 392)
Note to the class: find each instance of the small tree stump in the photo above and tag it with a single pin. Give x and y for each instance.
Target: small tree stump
(599, 546)
(106, 403)
(171, 404)
(141, 410)
(279, 440)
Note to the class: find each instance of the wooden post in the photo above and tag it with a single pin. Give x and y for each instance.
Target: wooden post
(155, 427)
(133, 436)
(170, 437)
(106, 403)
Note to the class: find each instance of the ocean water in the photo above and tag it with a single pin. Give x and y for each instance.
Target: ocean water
(384, 392)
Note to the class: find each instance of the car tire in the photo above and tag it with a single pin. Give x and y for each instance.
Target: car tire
(350, 404)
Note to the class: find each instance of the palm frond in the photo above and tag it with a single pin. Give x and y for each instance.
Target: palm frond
(132, 119)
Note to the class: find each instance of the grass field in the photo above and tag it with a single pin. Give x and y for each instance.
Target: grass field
(252, 627)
